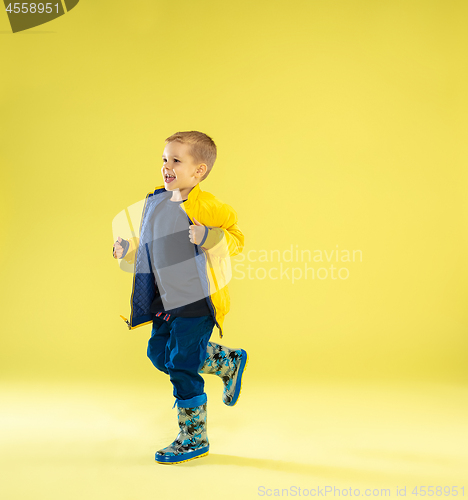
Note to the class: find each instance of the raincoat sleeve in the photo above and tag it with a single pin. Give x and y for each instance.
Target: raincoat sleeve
(225, 239)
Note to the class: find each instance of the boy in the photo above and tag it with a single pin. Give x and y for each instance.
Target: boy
(179, 285)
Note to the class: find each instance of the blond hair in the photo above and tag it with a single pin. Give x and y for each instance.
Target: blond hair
(202, 147)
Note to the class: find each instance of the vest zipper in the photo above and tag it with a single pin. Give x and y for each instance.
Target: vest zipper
(126, 321)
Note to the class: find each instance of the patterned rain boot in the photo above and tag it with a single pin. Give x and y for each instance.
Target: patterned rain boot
(192, 440)
(229, 364)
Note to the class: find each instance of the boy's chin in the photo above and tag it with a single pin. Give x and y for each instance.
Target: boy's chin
(168, 187)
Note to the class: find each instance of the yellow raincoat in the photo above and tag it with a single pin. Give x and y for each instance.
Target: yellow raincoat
(223, 239)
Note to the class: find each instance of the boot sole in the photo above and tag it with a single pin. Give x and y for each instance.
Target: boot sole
(174, 460)
(242, 368)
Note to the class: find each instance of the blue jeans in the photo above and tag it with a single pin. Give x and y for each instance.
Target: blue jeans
(177, 347)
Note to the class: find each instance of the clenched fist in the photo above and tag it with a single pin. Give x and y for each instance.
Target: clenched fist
(196, 232)
(118, 249)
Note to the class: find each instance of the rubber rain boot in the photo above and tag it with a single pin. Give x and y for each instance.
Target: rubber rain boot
(229, 365)
(192, 440)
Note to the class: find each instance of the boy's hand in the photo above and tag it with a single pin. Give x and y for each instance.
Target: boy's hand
(196, 232)
(118, 249)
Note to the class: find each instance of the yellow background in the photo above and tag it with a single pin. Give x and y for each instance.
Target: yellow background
(339, 125)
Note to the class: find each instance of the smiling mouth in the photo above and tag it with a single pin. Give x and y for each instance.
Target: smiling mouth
(168, 178)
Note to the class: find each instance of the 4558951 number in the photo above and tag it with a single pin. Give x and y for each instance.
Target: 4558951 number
(439, 491)
(32, 8)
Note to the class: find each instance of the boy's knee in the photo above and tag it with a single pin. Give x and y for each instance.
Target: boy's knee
(157, 359)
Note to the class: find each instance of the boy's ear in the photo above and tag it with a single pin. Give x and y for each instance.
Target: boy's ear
(202, 169)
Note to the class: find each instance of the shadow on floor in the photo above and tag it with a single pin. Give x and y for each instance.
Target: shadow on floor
(314, 471)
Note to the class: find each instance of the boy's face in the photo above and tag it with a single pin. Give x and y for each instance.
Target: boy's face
(178, 162)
